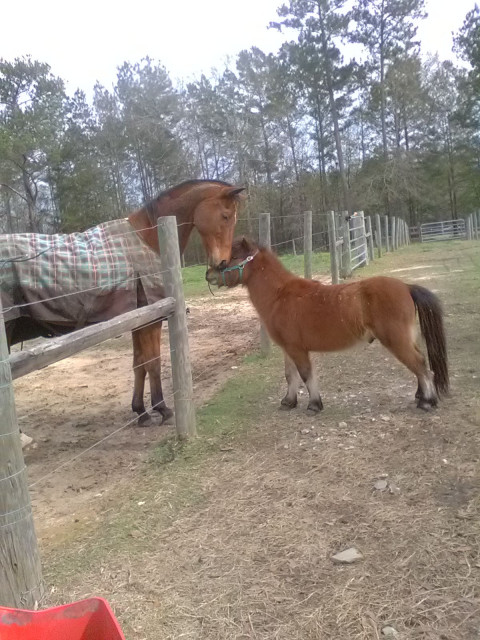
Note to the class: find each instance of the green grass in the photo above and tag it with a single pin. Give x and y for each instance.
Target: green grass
(241, 403)
(320, 262)
(194, 283)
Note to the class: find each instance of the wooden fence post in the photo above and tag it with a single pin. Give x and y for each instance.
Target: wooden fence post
(21, 584)
(393, 227)
(332, 243)
(307, 244)
(385, 224)
(177, 328)
(362, 238)
(265, 239)
(468, 228)
(371, 251)
(378, 234)
(346, 250)
(475, 224)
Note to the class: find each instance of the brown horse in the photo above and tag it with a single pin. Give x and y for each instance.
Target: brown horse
(45, 283)
(303, 316)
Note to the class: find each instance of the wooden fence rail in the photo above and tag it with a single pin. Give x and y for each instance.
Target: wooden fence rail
(54, 349)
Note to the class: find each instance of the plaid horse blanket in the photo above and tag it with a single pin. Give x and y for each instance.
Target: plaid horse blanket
(79, 278)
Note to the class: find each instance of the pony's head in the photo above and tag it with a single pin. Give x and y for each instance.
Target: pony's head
(243, 251)
(215, 217)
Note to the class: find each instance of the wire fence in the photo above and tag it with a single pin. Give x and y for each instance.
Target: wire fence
(294, 245)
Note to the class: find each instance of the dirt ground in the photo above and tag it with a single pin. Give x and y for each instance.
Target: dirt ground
(238, 542)
(75, 403)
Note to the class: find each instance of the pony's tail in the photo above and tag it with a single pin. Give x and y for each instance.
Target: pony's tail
(430, 315)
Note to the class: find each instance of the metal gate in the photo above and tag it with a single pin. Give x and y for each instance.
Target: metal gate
(444, 230)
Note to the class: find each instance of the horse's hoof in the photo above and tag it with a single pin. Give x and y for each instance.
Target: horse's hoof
(287, 404)
(167, 416)
(144, 420)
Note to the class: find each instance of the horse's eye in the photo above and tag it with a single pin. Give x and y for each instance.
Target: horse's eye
(225, 217)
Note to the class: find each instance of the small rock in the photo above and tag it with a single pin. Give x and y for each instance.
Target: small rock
(342, 425)
(390, 632)
(380, 485)
(25, 440)
(393, 487)
(348, 556)
(385, 418)
(305, 432)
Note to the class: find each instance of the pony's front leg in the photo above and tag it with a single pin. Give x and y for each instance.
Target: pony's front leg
(304, 365)
(293, 381)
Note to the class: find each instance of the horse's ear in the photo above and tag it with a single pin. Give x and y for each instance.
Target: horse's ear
(236, 193)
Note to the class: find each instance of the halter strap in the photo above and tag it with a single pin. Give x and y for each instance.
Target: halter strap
(238, 267)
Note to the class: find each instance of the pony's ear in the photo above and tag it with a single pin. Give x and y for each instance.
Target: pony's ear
(245, 243)
(236, 193)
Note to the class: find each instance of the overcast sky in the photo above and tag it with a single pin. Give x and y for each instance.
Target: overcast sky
(86, 41)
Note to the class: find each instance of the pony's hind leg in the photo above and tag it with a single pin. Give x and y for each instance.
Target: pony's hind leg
(289, 401)
(402, 346)
(304, 366)
(146, 359)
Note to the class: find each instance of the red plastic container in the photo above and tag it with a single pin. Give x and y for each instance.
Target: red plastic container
(90, 619)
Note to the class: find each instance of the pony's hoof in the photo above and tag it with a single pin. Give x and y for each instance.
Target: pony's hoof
(287, 404)
(314, 408)
(423, 404)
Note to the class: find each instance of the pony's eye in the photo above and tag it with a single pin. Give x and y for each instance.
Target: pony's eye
(224, 216)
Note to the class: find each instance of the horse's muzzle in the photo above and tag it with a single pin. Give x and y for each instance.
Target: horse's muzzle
(212, 276)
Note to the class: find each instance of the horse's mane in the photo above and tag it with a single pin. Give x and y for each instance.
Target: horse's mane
(178, 189)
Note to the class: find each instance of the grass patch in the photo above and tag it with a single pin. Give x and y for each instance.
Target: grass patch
(240, 403)
(170, 480)
(295, 264)
(194, 283)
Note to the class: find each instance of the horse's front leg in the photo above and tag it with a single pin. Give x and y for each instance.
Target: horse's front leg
(146, 359)
(289, 401)
(303, 363)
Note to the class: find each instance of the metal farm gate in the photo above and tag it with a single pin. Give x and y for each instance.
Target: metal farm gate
(444, 230)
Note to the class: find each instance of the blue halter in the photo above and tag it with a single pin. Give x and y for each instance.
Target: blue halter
(238, 267)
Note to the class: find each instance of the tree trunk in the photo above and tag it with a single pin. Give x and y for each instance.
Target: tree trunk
(333, 110)
(383, 106)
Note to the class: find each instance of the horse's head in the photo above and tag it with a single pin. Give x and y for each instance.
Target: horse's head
(231, 275)
(215, 217)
